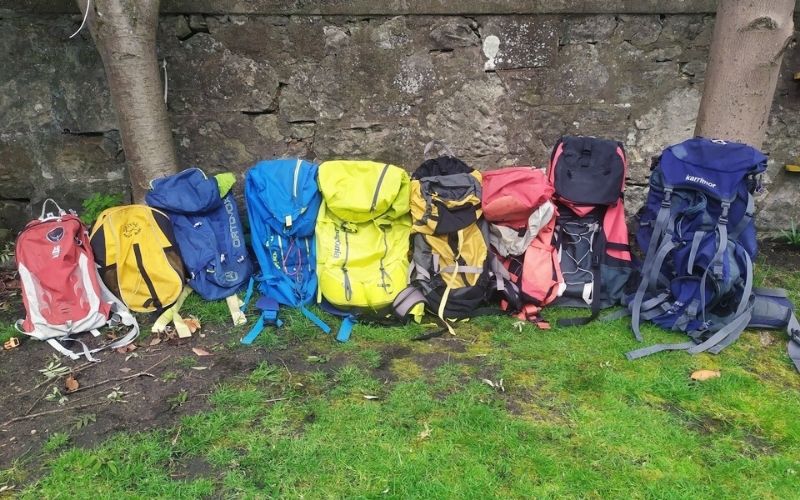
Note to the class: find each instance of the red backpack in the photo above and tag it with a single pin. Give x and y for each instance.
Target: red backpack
(516, 202)
(61, 290)
(591, 236)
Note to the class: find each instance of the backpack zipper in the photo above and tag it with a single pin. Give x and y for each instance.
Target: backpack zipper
(378, 188)
(384, 274)
(348, 290)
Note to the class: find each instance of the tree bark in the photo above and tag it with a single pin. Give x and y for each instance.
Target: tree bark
(124, 32)
(750, 37)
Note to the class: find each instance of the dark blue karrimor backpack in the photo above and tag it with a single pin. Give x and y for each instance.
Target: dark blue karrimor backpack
(696, 229)
(283, 200)
(208, 230)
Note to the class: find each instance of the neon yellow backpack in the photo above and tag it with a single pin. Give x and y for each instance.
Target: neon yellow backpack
(362, 237)
(138, 257)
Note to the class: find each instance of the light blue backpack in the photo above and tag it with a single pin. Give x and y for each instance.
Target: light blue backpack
(282, 200)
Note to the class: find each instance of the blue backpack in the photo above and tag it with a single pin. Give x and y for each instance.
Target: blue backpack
(207, 229)
(282, 200)
(699, 238)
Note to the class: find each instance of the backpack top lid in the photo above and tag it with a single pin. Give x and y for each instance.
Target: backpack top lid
(711, 165)
(512, 194)
(587, 170)
(361, 191)
(443, 165)
(445, 196)
(285, 194)
(186, 192)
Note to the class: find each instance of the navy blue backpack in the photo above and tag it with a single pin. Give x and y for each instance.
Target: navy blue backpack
(283, 200)
(208, 231)
(697, 231)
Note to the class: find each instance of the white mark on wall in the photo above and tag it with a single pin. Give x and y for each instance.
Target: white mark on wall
(491, 46)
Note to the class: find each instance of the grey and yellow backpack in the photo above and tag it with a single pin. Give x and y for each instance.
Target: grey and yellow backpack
(452, 270)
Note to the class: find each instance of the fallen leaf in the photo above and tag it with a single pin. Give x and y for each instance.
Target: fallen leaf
(193, 323)
(125, 370)
(155, 341)
(705, 374)
(126, 348)
(199, 368)
(426, 432)
(200, 351)
(367, 396)
(71, 384)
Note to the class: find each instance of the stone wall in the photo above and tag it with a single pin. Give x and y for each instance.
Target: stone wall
(500, 89)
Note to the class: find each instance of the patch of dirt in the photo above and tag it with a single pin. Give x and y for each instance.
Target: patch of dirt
(780, 254)
(88, 415)
(192, 468)
(702, 424)
(757, 446)
(384, 371)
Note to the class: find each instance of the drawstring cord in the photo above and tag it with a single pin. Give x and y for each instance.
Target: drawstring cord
(166, 79)
(85, 17)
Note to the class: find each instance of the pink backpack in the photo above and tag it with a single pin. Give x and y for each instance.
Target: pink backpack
(61, 290)
(516, 202)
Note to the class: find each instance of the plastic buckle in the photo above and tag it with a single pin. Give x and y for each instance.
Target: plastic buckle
(794, 335)
(11, 343)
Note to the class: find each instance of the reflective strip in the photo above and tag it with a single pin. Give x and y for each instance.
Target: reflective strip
(296, 173)
(462, 269)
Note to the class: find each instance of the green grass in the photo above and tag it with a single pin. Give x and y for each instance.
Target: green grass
(575, 420)
(8, 331)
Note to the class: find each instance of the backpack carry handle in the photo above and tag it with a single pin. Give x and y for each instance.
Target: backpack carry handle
(51, 215)
(442, 148)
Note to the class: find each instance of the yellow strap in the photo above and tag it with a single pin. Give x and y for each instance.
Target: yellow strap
(234, 306)
(446, 293)
(170, 315)
(180, 326)
(418, 312)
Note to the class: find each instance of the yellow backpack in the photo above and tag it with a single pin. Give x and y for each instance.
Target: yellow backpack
(138, 257)
(362, 235)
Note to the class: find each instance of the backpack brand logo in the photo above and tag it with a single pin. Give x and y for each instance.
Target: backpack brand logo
(337, 244)
(234, 227)
(56, 234)
(131, 229)
(700, 180)
(231, 276)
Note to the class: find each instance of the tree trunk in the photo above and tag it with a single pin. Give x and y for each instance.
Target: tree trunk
(750, 37)
(124, 32)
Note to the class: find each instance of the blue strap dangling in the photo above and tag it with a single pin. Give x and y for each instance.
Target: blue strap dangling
(346, 328)
(248, 294)
(269, 316)
(315, 319)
